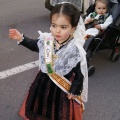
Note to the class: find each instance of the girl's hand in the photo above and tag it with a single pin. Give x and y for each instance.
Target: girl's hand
(70, 96)
(15, 35)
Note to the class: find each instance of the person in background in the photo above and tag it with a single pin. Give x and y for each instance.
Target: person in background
(98, 20)
(61, 85)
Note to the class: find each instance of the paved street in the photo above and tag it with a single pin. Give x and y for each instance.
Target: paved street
(28, 17)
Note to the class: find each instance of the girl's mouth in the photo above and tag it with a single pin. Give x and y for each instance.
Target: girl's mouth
(58, 36)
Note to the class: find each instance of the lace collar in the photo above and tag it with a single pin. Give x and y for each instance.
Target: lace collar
(58, 46)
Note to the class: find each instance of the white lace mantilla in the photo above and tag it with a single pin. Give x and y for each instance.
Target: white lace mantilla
(68, 57)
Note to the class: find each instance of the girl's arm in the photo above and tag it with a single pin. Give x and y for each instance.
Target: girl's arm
(29, 43)
(77, 83)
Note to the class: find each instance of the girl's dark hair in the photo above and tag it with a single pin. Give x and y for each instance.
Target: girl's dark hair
(69, 10)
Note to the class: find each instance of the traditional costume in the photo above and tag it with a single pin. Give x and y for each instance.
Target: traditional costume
(63, 69)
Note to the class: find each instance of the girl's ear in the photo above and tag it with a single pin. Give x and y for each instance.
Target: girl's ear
(73, 29)
(50, 28)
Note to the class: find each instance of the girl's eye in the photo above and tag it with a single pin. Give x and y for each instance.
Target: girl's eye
(64, 27)
(53, 26)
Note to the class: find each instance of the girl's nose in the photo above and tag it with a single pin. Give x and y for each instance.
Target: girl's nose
(57, 30)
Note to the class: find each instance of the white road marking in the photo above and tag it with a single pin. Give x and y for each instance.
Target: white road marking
(18, 69)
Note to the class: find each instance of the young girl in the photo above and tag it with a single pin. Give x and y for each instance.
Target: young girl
(98, 20)
(61, 86)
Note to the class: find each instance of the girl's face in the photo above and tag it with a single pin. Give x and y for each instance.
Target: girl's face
(101, 8)
(61, 28)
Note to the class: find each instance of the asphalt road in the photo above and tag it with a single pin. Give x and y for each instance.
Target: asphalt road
(28, 17)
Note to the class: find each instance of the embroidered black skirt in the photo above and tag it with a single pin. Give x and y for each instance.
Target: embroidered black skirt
(46, 101)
